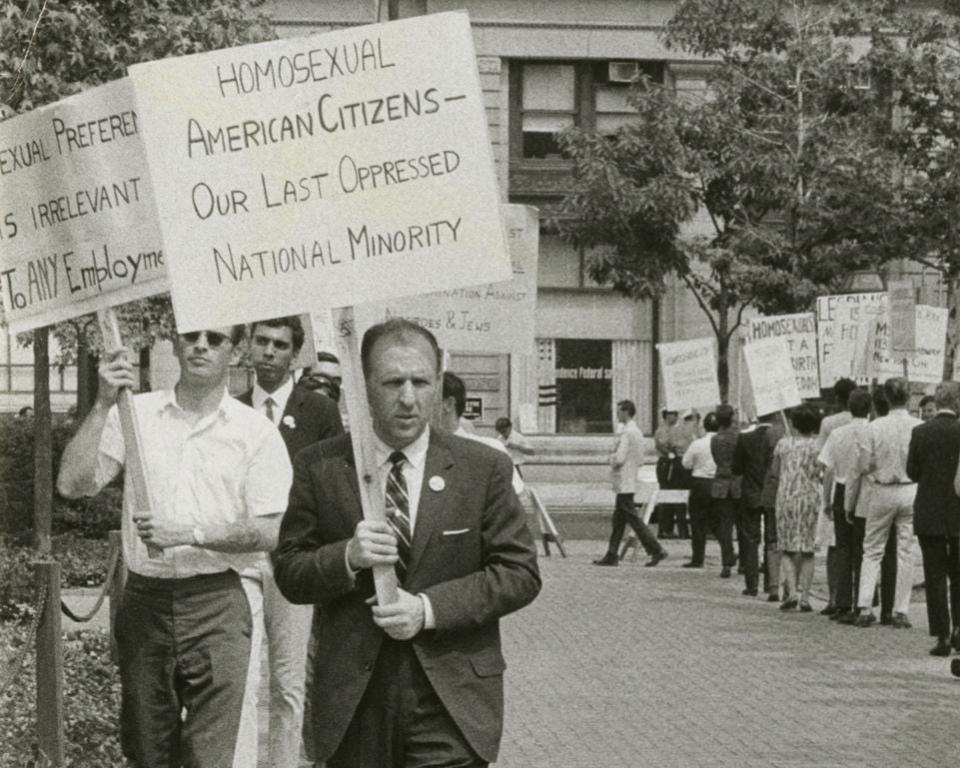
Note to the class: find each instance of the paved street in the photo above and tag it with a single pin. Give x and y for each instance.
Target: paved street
(635, 666)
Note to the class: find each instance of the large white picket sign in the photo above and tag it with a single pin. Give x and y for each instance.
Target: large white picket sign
(78, 227)
(925, 362)
(841, 321)
(689, 373)
(323, 171)
(772, 378)
(497, 317)
(800, 334)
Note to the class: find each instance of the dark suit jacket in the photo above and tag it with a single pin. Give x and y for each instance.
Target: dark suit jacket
(751, 460)
(932, 463)
(315, 417)
(471, 554)
(725, 483)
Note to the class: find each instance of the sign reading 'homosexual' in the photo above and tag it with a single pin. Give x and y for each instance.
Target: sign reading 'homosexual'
(800, 334)
(689, 373)
(323, 171)
(78, 229)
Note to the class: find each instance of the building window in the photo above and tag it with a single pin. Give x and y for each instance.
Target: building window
(584, 379)
(548, 105)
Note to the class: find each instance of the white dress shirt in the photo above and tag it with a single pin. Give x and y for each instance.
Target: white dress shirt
(412, 470)
(280, 397)
(699, 457)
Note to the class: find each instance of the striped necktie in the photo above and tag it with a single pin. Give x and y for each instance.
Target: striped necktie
(398, 511)
(268, 409)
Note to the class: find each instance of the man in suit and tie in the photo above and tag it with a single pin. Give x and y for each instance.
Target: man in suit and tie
(303, 417)
(725, 489)
(932, 463)
(418, 682)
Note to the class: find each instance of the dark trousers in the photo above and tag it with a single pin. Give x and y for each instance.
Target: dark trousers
(771, 555)
(625, 513)
(846, 570)
(941, 564)
(184, 645)
(748, 541)
(670, 476)
(723, 515)
(717, 515)
(401, 722)
(888, 566)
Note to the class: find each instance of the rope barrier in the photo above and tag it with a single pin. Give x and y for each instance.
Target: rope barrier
(113, 559)
(16, 665)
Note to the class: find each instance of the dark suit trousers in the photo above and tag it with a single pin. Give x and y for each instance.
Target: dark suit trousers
(941, 564)
(748, 533)
(723, 514)
(888, 566)
(666, 479)
(400, 721)
(700, 503)
(846, 570)
(625, 513)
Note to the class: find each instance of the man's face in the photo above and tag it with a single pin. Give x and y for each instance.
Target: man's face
(400, 388)
(622, 415)
(671, 418)
(928, 411)
(205, 356)
(271, 352)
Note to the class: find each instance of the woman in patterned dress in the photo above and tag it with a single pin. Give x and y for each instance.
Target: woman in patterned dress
(799, 493)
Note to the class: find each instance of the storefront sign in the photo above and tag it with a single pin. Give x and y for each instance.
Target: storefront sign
(772, 377)
(474, 408)
(800, 334)
(689, 371)
(323, 171)
(78, 226)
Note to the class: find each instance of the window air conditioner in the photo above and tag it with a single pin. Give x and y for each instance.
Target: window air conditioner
(623, 71)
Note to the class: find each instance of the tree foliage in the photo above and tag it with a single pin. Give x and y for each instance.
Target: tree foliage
(816, 148)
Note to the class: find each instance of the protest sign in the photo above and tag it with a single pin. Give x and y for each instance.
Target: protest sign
(689, 373)
(772, 378)
(322, 171)
(903, 328)
(78, 227)
(498, 317)
(925, 362)
(800, 334)
(840, 321)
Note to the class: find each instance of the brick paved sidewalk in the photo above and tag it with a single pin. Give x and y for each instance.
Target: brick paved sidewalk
(670, 667)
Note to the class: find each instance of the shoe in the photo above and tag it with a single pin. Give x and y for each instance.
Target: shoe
(838, 612)
(725, 572)
(830, 610)
(942, 648)
(607, 559)
(955, 667)
(900, 621)
(865, 620)
(886, 619)
(773, 597)
(789, 604)
(692, 564)
(847, 617)
(805, 607)
(661, 555)
(749, 592)
(955, 639)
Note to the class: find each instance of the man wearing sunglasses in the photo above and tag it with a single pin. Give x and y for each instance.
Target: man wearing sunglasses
(219, 478)
(303, 417)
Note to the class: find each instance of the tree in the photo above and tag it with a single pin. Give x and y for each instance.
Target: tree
(788, 153)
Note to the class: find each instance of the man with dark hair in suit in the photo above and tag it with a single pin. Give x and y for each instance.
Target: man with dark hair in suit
(932, 462)
(303, 417)
(417, 682)
(725, 489)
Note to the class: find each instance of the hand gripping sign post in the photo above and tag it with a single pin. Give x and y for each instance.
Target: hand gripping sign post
(324, 172)
(78, 229)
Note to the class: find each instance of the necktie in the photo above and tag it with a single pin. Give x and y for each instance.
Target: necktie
(397, 506)
(268, 409)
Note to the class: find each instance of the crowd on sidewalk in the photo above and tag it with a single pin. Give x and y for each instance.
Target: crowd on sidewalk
(863, 483)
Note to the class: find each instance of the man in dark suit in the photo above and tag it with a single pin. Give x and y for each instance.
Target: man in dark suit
(932, 463)
(725, 489)
(418, 681)
(303, 417)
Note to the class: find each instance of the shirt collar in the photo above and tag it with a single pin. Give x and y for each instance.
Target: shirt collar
(279, 397)
(168, 399)
(415, 452)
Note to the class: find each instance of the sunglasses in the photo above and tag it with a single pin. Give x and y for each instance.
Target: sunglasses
(214, 339)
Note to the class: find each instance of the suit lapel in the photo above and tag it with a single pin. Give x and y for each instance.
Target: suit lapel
(438, 464)
(354, 513)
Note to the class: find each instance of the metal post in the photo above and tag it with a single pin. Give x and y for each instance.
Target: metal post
(118, 580)
(49, 668)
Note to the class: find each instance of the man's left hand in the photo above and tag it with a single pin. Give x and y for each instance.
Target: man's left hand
(402, 619)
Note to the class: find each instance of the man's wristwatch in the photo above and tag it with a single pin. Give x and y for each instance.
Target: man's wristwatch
(198, 538)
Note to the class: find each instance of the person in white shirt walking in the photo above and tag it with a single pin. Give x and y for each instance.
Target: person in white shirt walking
(698, 458)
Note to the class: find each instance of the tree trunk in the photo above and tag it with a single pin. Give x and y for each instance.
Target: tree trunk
(42, 443)
(723, 344)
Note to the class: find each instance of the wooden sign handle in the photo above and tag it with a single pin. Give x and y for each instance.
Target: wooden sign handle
(134, 465)
(354, 389)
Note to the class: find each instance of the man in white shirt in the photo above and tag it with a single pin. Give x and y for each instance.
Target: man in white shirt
(698, 458)
(516, 444)
(625, 463)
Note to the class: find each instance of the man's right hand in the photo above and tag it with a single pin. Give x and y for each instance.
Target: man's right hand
(373, 543)
(115, 371)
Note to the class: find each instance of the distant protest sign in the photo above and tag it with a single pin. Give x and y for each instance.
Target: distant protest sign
(800, 334)
(772, 378)
(323, 171)
(78, 227)
(902, 303)
(689, 373)
(925, 363)
(497, 317)
(840, 338)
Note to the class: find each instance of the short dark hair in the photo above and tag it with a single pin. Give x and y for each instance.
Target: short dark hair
(290, 321)
(880, 403)
(842, 390)
(710, 422)
(947, 395)
(897, 390)
(805, 419)
(859, 403)
(327, 357)
(629, 407)
(399, 328)
(724, 415)
(927, 399)
(454, 387)
(502, 423)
